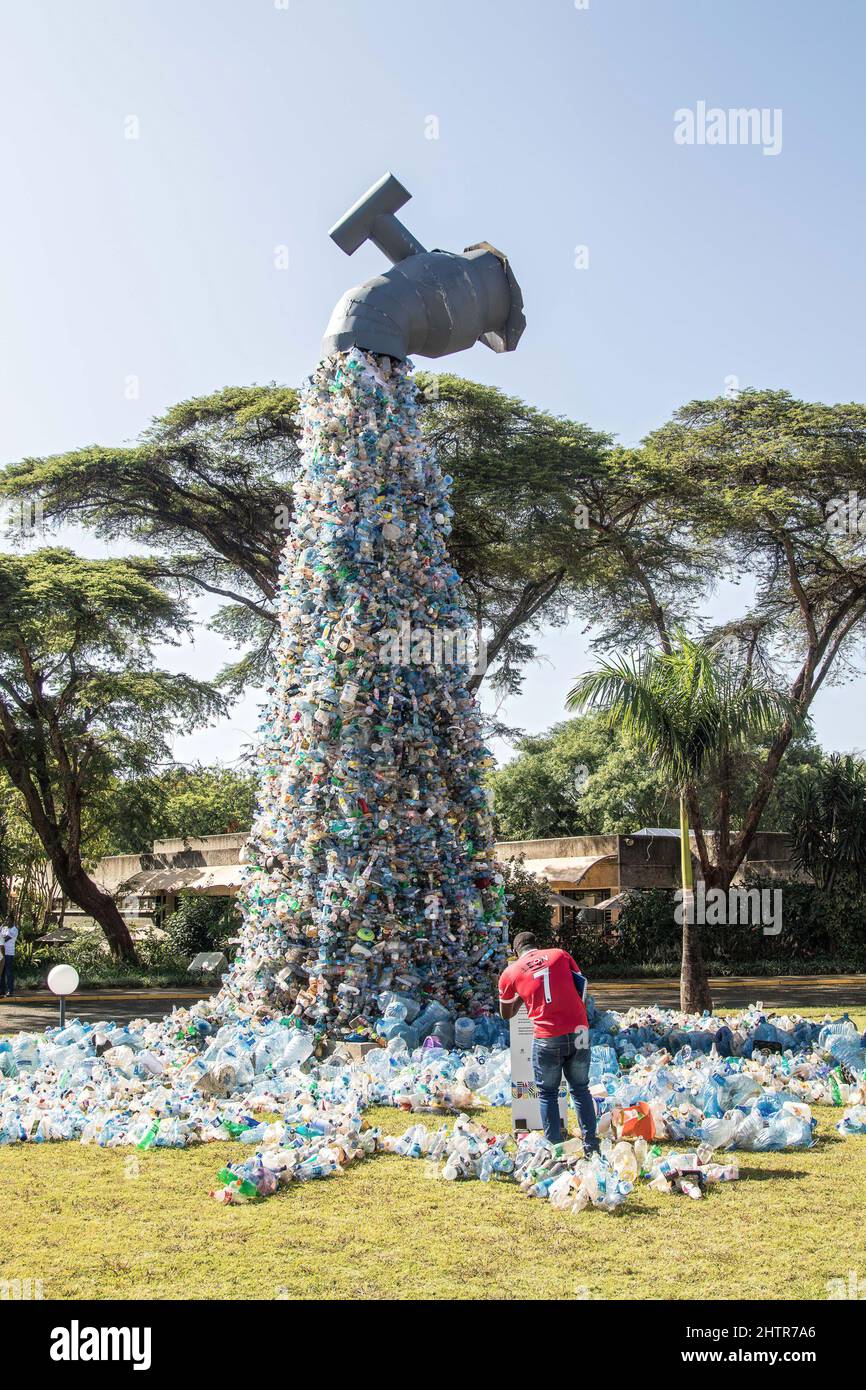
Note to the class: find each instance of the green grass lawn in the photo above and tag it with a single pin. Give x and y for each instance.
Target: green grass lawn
(95, 1223)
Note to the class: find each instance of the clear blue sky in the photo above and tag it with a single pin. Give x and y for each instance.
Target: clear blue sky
(258, 125)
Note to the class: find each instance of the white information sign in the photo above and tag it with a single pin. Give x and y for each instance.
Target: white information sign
(525, 1109)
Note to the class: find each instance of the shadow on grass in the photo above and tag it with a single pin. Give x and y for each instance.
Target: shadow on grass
(765, 1174)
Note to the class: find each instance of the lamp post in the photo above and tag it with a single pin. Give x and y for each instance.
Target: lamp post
(63, 980)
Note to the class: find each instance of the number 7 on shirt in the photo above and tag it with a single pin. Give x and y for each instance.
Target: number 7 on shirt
(545, 976)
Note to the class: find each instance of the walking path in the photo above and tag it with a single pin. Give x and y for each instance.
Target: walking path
(35, 1010)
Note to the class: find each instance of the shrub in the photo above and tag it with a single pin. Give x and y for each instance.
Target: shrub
(198, 924)
(528, 901)
(89, 953)
(818, 925)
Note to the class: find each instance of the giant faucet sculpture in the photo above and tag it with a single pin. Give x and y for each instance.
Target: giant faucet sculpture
(432, 302)
(373, 902)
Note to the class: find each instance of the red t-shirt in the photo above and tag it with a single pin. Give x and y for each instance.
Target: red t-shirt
(544, 982)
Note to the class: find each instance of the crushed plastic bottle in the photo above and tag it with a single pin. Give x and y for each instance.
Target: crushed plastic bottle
(853, 1121)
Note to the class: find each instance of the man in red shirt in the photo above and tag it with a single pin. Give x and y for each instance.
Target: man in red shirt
(551, 986)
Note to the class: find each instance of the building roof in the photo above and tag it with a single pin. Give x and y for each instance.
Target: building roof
(618, 900)
(154, 882)
(557, 900)
(217, 876)
(564, 869)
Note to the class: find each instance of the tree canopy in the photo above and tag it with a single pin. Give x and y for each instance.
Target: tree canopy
(207, 491)
(182, 802)
(582, 777)
(764, 483)
(81, 701)
(551, 520)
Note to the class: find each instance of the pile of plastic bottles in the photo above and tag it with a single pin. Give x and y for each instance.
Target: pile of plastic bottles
(205, 1074)
(688, 1173)
(559, 1172)
(724, 1088)
(202, 1075)
(570, 1179)
(370, 866)
(468, 1151)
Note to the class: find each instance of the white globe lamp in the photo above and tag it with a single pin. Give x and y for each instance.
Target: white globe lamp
(63, 981)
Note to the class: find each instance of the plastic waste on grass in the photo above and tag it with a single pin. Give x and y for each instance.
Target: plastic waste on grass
(853, 1121)
(208, 1075)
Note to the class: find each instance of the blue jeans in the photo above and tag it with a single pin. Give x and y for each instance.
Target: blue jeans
(7, 979)
(551, 1058)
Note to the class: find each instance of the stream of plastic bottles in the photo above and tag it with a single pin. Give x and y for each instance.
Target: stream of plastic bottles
(709, 1084)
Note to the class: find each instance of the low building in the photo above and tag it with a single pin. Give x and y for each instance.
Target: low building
(146, 886)
(580, 871)
(596, 870)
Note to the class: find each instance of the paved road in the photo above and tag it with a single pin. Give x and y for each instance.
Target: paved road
(34, 1010)
(736, 991)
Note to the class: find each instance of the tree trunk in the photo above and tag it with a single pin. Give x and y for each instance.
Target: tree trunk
(62, 847)
(695, 997)
(102, 908)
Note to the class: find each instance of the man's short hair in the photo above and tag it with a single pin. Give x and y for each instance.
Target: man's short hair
(524, 941)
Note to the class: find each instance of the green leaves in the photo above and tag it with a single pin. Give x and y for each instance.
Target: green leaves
(80, 697)
(689, 708)
(134, 811)
(828, 823)
(55, 603)
(207, 491)
(580, 778)
(756, 475)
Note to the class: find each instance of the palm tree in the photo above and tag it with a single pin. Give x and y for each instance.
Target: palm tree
(828, 823)
(692, 709)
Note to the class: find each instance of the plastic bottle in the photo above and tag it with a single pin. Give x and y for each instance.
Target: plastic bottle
(443, 1031)
(464, 1033)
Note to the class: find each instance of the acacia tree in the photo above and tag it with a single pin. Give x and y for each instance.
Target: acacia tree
(639, 573)
(80, 700)
(769, 487)
(207, 492)
(549, 520)
(519, 478)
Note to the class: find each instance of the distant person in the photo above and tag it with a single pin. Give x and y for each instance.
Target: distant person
(551, 986)
(8, 937)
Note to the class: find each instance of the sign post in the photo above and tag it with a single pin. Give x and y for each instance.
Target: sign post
(525, 1109)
